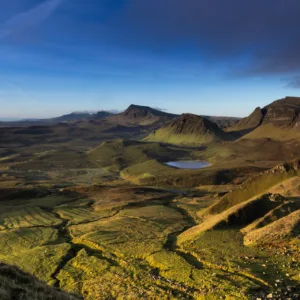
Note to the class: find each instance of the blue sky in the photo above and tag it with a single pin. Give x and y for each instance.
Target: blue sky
(211, 57)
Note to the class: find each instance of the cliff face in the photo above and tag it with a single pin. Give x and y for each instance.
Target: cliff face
(284, 113)
(281, 114)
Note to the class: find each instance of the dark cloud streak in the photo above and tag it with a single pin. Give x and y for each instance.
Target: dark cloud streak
(267, 32)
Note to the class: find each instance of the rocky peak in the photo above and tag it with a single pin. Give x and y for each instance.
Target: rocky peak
(284, 113)
(190, 124)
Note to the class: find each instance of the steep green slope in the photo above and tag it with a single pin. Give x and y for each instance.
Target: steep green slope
(257, 185)
(189, 129)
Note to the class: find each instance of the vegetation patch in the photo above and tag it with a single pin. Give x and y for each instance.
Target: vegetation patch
(77, 215)
(171, 266)
(134, 232)
(96, 278)
(28, 216)
(34, 250)
(23, 239)
(41, 261)
(247, 268)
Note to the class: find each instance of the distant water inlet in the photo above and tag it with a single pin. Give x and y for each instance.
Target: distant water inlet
(188, 164)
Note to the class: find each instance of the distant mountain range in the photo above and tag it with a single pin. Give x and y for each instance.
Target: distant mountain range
(134, 115)
(279, 120)
(72, 117)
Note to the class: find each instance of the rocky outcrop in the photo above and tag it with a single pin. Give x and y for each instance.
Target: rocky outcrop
(284, 113)
(251, 122)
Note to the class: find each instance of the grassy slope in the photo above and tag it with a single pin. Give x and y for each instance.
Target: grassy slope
(272, 132)
(238, 215)
(35, 250)
(254, 186)
(28, 216)
(247, 267)
(189, 129)
(164, 135)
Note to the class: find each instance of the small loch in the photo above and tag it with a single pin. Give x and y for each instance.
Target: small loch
(188, 164)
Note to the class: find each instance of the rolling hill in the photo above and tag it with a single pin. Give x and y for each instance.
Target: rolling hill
(189, 129)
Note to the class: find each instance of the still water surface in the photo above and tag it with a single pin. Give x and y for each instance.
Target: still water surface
(188, 164)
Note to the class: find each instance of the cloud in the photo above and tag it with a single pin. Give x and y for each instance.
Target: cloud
(29, 19)
(264, 33)
(161, 109)
(293, 82)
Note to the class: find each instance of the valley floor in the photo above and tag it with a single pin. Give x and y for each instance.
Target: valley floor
(111, 221)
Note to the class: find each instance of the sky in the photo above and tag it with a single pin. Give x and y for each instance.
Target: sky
(210, 57)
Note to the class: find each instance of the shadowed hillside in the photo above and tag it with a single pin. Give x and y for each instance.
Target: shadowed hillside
(17, 285)
(249, 123)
